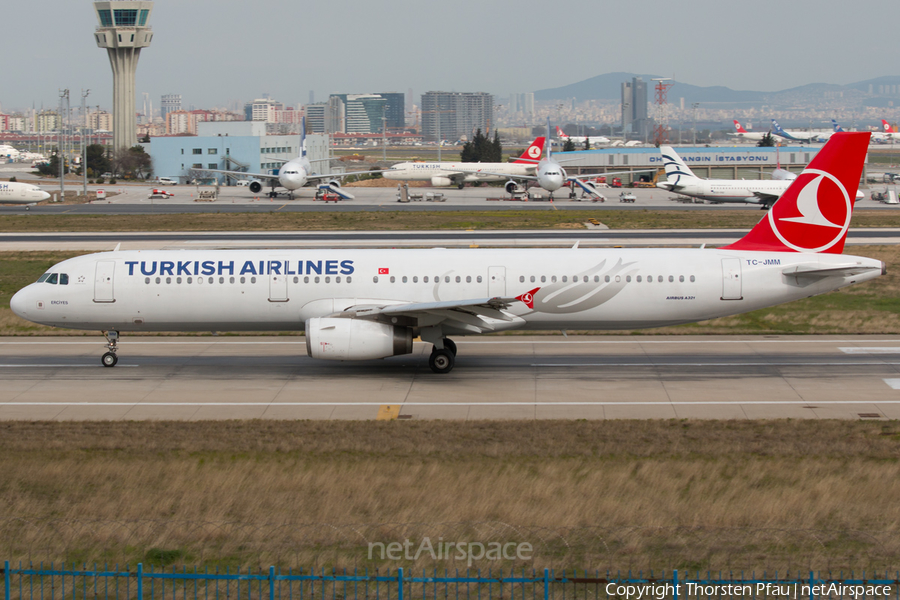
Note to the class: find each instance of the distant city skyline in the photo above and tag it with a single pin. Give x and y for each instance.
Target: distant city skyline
(218, 53)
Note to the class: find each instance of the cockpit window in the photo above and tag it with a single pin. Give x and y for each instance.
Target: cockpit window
(43, 278)
(53, 279)
(63, 279)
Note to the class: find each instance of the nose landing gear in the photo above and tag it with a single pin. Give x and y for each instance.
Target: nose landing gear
(109, 359)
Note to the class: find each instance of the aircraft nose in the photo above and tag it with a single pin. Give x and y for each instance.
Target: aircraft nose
(18, 303)
(44, 195)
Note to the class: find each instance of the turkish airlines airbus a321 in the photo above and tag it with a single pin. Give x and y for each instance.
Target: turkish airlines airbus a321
(368, 304)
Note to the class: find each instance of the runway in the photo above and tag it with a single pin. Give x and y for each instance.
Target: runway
(496, 377)
(92, 241)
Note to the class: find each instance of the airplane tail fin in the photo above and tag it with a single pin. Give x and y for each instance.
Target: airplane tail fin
(738, 127)
(675, 167)
(837, 128)
(886, 127)
(533, 152)
(560, 133)
(776, 127)
(813, 214)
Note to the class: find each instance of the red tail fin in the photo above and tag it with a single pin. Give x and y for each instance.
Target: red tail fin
(560, 133)
(738, 127)
(886, 127)
(813, 214)
(533, 152)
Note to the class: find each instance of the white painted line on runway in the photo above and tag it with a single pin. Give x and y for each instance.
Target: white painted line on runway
(849, 363)
(48, 366)
(598, 403)
(301, 341)
(894, 383)
(872, 350)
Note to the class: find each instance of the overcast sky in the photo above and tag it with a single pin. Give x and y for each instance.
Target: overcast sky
(215, 52)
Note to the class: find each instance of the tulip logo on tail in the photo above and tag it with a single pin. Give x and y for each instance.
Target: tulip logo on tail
(534, 151)
(820, 223)
(528, 298)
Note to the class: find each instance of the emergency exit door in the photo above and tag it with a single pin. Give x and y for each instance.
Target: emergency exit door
(731, 279)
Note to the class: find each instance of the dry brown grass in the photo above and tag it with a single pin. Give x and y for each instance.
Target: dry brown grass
(587, 494)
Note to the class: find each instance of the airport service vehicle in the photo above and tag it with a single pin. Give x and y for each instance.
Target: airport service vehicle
(13, 192)
(763, 192)
(627, 197)
(359, 304)
(294, 174)
(156, 193)
(166, 181)
(444, 174)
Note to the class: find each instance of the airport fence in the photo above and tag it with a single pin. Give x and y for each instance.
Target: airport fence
(42, 582)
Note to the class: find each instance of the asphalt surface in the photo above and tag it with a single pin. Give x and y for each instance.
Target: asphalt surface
(496, 377)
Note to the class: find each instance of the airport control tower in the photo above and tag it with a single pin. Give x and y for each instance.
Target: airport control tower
(123, 31)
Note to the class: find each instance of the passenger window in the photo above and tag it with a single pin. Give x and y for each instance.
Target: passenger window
(618, 278)
(404, 279)
(168, 280)
(671, 278)
(178, 280)
(692, 279)
(425, 279)
(415, 279)
(393, 279)
(306, 280)
(63, 279)
(521, 279)
(543, 279)
(553, 279)
(681, 278)
(468, 279)
(146, 280)
(336, 279)
(328, 280)
(606, 279)
(446, 279)
(564, 279)
(596, 279)
(253, 280)
(585, 278)
(458, 279)
(638, 279)
(231, 280)
(478, 279)
(316, 279)
(532, 279)
(53, 279)
(158, 280)
(628, 279)
(660, 279)
(349, 279)
(221, 280)
(375, 279)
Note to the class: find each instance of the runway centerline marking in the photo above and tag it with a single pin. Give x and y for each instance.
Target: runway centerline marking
(878, 350)
(539, 403)
(723, 364)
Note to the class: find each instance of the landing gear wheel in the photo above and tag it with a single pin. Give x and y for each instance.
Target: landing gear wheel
(450, 345)
(109, 359)
(441, 361)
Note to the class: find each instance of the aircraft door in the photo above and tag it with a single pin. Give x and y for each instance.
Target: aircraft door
(496, 282)
(103, 281)
(278, 285)
(731, 279)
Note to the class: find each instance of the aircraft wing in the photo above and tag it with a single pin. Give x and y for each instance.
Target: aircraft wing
(240, 173)
(765, 198)
(314, 176)
(473, 315)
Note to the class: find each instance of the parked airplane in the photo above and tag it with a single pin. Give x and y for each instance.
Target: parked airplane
(294, 174)
(680, 179)
(797, 136)
(367, 304)
(21, 193)
(442, 174)
(579, 139)
(887, 133)
(740, 132)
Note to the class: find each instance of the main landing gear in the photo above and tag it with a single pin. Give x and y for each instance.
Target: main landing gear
(110, 359)
(442, 359)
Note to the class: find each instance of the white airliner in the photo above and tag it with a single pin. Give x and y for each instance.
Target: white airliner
(21, 193)
(753, 136)
(369, 304)
(886, 134)
(295, 174)
(680, 179)
(579, 139)
(443, 174)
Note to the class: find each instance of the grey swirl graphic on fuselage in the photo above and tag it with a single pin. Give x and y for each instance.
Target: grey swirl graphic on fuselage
(576, 296)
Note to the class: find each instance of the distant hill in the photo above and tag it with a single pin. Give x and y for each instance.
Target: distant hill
(608, 87)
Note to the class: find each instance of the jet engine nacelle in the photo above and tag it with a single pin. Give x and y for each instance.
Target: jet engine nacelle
(438, 181)
(334, 183)
(512, 187)
(355, 339)
(255, 186)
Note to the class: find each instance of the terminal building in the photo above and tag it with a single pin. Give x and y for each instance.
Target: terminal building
(716, 162)
(230, 146)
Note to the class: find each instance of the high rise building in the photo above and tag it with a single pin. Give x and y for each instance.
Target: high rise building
(454, 115)
(325, 117)
(123, 31)
(635, 119)
(262, 109)
(395, 109)
(169, 103)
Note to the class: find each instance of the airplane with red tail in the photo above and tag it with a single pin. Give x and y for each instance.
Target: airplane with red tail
(357, 304)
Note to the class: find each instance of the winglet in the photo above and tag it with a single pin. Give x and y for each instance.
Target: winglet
(528, 298)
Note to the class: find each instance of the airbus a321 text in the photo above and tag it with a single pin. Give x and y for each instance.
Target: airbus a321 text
(372, 304)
